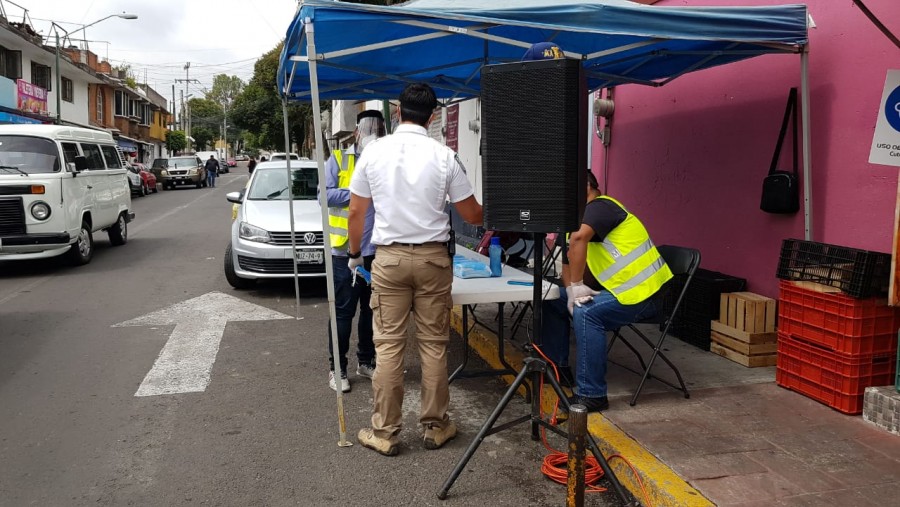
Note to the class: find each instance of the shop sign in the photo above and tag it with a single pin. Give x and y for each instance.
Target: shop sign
(453, 127)
(32, 99)
(886, 143)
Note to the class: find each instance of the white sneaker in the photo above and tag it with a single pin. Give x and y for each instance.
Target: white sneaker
(365, 370)
(345, 383)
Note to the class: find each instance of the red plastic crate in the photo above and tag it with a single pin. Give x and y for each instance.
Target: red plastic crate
(835, 379)
(838, 322)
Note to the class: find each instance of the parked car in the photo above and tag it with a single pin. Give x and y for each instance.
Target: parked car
(231, 162)
(260, 245)
(135, 185)
(58, 186)
(183, 170)
(283, 156)
(157, 167)
(148, 178)
(223, 167)
(241, 158)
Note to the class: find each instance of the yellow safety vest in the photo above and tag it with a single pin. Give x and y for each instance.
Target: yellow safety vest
(626, 262)
(338, 217)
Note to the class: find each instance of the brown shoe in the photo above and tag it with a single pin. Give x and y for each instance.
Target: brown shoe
(385, 446)
(436, 437)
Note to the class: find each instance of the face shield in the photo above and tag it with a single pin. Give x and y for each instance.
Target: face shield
(367, 130)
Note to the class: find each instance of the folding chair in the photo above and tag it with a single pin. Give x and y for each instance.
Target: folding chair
(683, 262)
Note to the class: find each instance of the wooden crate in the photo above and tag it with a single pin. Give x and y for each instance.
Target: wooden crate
(749, 312)
(742, 347)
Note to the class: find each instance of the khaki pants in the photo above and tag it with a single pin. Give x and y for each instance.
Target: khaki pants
(418, 279)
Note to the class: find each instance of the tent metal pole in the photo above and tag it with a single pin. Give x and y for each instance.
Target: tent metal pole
(807, 176)
(326, 238)
(290, 184)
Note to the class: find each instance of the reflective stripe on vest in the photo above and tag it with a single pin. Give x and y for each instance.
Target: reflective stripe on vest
(627, 263)
(338, 216)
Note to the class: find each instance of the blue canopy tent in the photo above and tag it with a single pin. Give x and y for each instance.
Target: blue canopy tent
(336, 50)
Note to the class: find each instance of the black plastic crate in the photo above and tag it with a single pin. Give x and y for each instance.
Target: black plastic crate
(701, 301)
(693, 332)
(700, 305)
(858, 273)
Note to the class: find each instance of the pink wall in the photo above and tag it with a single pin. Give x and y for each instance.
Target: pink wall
(689, 158)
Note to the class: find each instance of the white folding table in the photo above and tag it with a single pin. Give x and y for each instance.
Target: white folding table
(472, 291)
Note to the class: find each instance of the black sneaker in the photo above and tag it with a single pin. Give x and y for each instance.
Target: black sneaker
(592, 404)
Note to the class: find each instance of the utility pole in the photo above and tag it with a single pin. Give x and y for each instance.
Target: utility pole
(186, 122)
(174, 123)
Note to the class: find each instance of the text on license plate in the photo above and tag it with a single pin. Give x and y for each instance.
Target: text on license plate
(309, 256)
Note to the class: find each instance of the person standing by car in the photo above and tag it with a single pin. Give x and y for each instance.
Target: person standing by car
(212, 170)
(347, 295)
(408, 177)
(251, 165)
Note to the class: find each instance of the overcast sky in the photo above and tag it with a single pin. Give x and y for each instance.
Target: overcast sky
(216, 36)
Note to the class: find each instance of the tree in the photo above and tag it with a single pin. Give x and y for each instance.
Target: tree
(175, 141)
(203, 136)
(258, 109)
(225, 89)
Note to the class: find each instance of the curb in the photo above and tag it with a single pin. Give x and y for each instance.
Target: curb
(663, 486)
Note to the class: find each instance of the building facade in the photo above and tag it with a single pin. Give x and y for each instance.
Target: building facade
(689, 158)
(40, 83)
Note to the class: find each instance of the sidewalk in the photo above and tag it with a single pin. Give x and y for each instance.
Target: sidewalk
(740, 440)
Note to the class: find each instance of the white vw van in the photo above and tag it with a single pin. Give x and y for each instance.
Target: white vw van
(58, 186)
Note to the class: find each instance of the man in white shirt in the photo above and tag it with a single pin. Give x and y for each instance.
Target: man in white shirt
(408, 177)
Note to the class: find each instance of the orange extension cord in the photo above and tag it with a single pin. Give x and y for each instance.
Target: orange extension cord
(555, 463)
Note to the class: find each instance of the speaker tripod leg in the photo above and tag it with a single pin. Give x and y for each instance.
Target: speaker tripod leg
(484, 432)
(601, 460)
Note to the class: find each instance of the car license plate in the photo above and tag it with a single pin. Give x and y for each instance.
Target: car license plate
(308, 256)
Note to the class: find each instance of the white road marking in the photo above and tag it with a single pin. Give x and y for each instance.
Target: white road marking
(185, 362)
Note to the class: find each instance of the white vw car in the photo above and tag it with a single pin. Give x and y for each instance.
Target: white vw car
(260, 245)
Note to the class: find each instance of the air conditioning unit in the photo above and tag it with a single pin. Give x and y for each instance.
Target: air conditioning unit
(343, 117)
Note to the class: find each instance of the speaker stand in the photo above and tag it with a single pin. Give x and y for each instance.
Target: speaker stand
(534, 369)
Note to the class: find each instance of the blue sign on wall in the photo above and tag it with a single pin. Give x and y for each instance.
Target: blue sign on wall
(14, 118)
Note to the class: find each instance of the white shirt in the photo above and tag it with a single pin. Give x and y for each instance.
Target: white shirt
(409, 176)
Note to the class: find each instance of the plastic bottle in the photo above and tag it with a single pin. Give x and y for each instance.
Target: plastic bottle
(495, 251)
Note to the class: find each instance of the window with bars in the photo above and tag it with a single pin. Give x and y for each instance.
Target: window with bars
(121, 103)
(40, 75)
(68, 90)
(100, 101)
(146, 114)
(10, 63)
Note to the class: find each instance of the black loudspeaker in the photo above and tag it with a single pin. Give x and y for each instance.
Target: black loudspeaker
(534, 145)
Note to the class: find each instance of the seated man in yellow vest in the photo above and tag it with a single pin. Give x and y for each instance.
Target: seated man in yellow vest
(349, 295)
(611, 271)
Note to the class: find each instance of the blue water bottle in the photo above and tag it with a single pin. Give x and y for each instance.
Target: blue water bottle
(495, 251)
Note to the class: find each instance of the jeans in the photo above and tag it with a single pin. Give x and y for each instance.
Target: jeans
(211, 179)
(591, 320)
(346, 298)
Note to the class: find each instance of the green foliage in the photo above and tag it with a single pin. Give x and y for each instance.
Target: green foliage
(175, 140)
(203, 137)
(205, 113)
(225, 89)
(258, 110)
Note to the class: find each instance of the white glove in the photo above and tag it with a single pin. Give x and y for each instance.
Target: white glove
(355, 263)
(580, 293)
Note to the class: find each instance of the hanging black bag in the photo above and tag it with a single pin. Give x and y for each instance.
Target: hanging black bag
(781, 188)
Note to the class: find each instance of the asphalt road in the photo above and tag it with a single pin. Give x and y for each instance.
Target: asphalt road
(263, 432)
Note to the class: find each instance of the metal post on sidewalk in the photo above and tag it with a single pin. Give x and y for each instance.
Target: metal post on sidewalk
(577, 432)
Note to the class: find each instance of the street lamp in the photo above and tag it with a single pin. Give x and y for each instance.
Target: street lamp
(68, 36)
